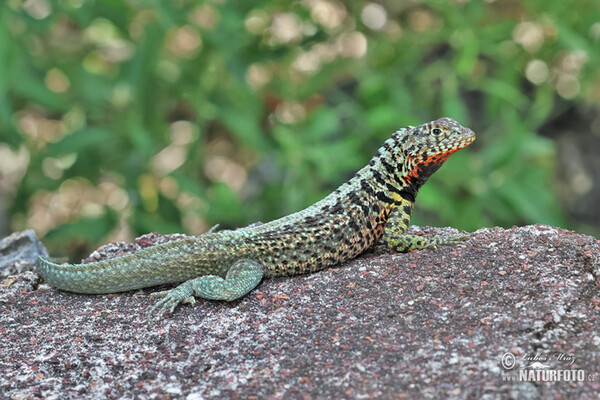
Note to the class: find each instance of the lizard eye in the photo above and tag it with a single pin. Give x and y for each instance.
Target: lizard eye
(437, 131)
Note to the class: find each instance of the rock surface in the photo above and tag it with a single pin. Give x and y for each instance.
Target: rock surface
(485, 321)
(19, 251)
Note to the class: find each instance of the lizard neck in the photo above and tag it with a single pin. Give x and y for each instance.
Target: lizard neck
(398, 176)
(394, 177)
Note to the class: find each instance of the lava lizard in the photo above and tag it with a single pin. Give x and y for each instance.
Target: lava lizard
(374, 204)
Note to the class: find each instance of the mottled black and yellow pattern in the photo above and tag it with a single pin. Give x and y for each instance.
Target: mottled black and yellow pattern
(375, 204)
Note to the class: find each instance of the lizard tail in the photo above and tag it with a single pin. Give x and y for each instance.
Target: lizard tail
(153, 266)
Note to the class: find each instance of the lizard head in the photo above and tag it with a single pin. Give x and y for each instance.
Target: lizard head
(426, 147)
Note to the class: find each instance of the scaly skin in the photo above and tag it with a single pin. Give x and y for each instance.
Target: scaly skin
(375, 204)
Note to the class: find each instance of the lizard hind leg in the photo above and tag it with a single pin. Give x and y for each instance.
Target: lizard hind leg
(243, 276)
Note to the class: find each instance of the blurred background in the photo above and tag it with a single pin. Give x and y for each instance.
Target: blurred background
(122, 117)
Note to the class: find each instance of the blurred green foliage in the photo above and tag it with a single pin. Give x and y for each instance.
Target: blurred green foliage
(133, 116)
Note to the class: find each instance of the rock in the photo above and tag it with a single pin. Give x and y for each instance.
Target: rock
(494, 319)
(19, 251)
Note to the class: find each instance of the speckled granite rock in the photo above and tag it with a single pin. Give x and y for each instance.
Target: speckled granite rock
(428, 324)
(19, 251)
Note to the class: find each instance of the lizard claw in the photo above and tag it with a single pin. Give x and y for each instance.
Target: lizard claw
(171, 298)
(452, 240)
(160, 307)
(457, 240)
(191, 300)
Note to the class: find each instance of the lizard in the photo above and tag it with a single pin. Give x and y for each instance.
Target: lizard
(375, 204)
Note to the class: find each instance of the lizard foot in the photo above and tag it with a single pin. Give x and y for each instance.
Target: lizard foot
(243, 276)
(408, 242)
(452, 240)
(171, 298)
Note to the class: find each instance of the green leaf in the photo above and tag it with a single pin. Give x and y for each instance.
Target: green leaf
(90, 230)
(84, 140)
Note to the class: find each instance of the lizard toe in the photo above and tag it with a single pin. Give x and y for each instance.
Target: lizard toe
(191, 300)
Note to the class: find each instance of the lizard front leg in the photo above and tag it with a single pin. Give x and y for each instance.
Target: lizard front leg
(243, 276)
(395, 238)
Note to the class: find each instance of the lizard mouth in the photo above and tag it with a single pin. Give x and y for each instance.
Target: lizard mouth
(463, 141)
(466, 139)
(448, 147)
